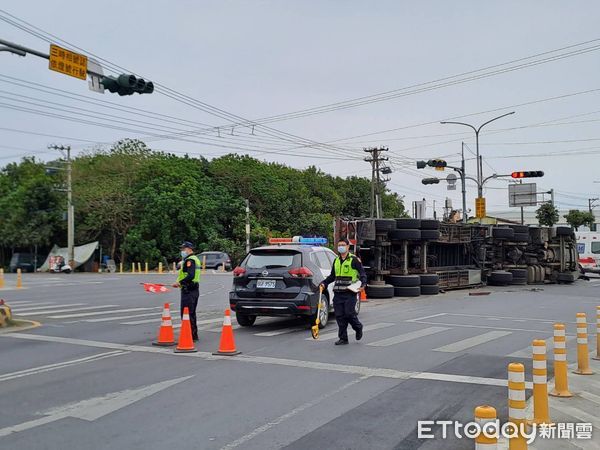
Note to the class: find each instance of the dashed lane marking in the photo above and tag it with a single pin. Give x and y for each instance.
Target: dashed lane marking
(357, 370)
(334, 335)
(40, 308)
(88, 308)
(134, 316)
(279, 332)
(527, 351)
(426, 317)
(471, 342)
(407, 336)
(50, 367)
(99, 313)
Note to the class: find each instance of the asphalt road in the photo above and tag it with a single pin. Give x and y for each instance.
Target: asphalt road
(88, 378)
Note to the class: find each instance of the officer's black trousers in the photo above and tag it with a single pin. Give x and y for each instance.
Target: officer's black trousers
(189, 299)
(344, 306)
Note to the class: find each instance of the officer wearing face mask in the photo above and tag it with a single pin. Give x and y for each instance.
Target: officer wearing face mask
(347, 269)
(188, 279)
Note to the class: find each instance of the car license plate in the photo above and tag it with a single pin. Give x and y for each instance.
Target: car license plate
(268, 284)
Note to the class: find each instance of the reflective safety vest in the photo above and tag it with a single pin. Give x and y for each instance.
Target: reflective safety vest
(344, 270)
(183, 274)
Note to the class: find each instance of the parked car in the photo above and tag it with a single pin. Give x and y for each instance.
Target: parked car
(588, 247)
(215, 260)
(282, 280)
(24, 261)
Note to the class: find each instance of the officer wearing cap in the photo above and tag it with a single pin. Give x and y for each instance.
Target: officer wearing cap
(188, 279)
(347, 269)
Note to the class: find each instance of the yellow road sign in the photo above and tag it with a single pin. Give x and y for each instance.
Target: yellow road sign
(68, 62)
(480, 207)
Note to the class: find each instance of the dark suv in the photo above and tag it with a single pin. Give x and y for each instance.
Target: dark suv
(24, 261)
(215, 260)
(281, 280)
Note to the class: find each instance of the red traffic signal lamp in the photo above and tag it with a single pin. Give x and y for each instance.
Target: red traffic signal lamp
(528, 174)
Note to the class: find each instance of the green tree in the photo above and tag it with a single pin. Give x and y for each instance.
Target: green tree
(577, 218)
(547, 214)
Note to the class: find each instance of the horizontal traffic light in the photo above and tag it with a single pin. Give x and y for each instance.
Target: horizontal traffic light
(430, 180)
(528, 174)
(127, 84)
(436, 163)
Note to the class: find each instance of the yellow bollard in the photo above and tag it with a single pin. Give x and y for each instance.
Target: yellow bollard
(1, 277)
(597, 332)
(120, 267)
(540, 383)
(132, 267)
(516, 405)
(561, 385)
(174, 267)
(484, 415)
(139, 267)
(583, 357)
(19, 279)
(160, 267)
(146, 268)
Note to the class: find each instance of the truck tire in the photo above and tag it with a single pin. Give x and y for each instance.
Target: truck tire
(566, 277)
(430, 235)
(404, 280)
(520, 228)
(405, 235)
(503, 233)
(499, 278)
(531, 275)
(382, 225)
(519, 273)
(429, 279)
(430, 290)
(429, 224)
(245, 320)
(403, 224)
(380, 291)
(564, 231)
(414, 291)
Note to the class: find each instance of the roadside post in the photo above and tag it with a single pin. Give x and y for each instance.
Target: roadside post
(583, 357)
(1, 277)
(540, 383)
(561, 386)
(516, 405)
(597, 332)
(483, 415)
(19, 279)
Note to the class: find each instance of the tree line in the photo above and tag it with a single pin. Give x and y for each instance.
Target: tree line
(140, 203)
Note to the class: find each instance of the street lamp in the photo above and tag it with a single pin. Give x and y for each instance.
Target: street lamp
(477, 130)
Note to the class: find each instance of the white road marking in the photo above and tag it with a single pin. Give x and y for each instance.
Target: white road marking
(334, 335)
(49, 367)
(130, 316)
(527, 352)
(474, 341)
(94, 408)
(407, 336)
(482, 316)
(87, 308)
(99, 313)
(174, 318)
(22, 302)
(289, 415)
(580, 415)
(37, 307)
(591, 397)
(279, 332)
(486, 327)
(426, 317)
(357, 370)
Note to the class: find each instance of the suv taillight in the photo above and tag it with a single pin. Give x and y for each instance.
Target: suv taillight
(300, 272)
(239, 271)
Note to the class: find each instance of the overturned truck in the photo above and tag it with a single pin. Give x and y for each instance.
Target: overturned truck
(411, 257)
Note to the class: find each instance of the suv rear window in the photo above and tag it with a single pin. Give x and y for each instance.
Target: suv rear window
(272, 259)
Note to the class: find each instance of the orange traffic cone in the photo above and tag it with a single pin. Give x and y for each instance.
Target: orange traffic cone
(363, 295)
(185, 344)
(165, 332)
(227, 344)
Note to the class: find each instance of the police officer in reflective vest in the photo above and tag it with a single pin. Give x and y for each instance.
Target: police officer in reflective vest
(187, 280)
(347, 269)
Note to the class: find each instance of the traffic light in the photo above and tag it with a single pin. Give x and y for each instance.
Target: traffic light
(528, 174)
(430, 180)
(127, 84)
(437, 163)
(421, 164)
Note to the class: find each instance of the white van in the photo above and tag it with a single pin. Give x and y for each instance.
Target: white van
(588, 247)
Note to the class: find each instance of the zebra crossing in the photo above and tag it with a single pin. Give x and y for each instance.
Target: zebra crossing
(379, 335)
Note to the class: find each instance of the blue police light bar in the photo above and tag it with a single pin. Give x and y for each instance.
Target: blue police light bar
(313, 241)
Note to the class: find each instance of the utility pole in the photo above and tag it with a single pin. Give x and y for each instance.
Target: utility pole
(591, 207)
(376, 182)
(247, 226)
(66, 152)
(463, 182)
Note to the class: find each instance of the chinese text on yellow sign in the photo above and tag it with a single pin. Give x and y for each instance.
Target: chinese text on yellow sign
(67, 62)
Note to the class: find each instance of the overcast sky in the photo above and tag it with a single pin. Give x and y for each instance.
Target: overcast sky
(257, 59)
